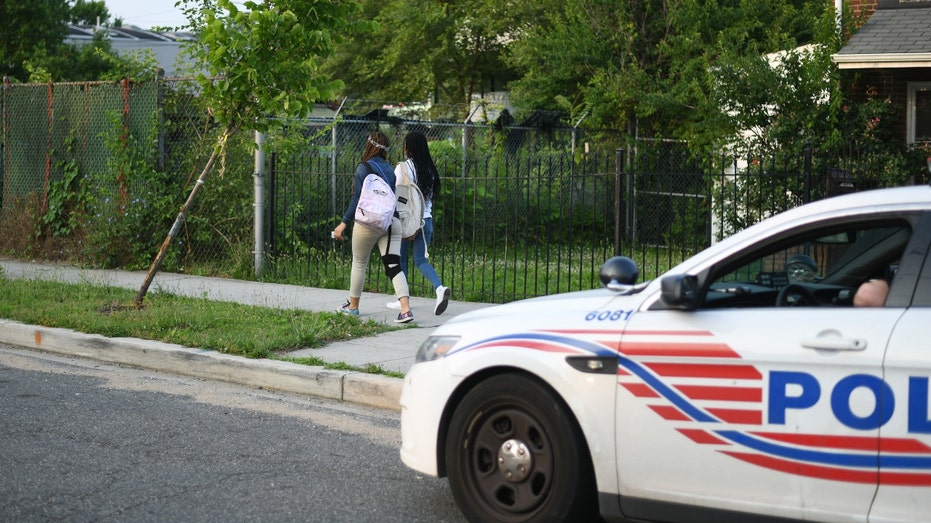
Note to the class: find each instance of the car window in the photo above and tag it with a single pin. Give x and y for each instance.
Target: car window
(923, 290)
(819, 268)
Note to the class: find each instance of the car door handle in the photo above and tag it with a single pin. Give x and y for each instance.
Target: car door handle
(834, 343)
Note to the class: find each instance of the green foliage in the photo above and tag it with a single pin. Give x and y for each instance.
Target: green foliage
(132, 204)
(140, 65)
(221, 218)
(260, 64)
(93, 61)
(66, 198)
(428, 50)
(294, 136)
(37, 73)
(778, 107)
(647, 67)
(689, 224)
(881, 157)
(89, 12)
(29, 28)
(265, 61)
(447, 155)
(232, 328)
(561, 56)
(777, 102)
(33, 47)
(523, 195)
(762, 188)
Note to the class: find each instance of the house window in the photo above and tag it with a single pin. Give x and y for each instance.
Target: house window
(919, 112)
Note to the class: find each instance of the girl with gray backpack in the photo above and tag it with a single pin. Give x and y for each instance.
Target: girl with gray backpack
(419, 167)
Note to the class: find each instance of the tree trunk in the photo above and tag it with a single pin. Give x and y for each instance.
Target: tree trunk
(179, 221)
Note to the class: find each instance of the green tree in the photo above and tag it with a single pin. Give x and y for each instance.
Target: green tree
(646, 65)
(428, 50)
(33, 47)
(29, 28)
(89, 12)
(260, 63)
(729, 38)
(568, 54)
(94, 60)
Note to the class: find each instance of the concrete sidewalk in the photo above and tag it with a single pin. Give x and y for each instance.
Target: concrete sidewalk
(394, 350)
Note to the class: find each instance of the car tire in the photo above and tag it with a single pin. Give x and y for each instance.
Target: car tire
(514, 454)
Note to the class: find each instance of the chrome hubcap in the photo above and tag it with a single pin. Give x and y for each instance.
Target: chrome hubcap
(514, 460)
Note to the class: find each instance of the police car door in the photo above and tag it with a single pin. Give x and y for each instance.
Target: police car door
(756, 406)
(905, 437)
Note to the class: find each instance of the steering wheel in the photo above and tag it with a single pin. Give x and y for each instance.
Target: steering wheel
(794, 289)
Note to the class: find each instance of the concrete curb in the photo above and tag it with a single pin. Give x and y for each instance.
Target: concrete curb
(353, 387)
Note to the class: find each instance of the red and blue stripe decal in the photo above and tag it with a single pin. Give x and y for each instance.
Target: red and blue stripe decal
(662, 368)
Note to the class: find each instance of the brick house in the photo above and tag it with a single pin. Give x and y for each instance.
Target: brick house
(891, 53)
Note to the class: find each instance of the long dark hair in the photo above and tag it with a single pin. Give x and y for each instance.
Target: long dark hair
(428, 179)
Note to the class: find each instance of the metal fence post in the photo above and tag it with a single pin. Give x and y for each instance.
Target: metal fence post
(575, 132)
(160, 110)
(618, 198)
(259, 205)
(334, 143)
(808, 155)
(5, 99)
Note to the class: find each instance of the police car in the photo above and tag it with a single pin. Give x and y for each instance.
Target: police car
(739, 386)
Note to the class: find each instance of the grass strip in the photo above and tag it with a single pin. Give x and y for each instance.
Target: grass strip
(231, 328)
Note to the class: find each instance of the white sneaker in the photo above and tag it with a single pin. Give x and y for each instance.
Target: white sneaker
(394, 305)
(442, 299)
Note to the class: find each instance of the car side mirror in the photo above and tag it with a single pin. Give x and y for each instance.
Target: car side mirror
(679, 291)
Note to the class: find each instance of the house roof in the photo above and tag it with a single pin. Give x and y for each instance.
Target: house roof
(81, 33)
(165, 45)
(898, 36)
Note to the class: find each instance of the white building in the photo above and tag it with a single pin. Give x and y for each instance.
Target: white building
(166, 46)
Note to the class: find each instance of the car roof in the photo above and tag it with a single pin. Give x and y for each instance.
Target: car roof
(877, 201)
(898, 199)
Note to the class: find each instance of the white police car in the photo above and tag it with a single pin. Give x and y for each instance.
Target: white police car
(733, 388)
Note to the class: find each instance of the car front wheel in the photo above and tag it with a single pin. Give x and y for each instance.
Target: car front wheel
(513, 454)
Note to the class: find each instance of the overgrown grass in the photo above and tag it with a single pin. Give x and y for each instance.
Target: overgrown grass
(231, 328)
(486, 276)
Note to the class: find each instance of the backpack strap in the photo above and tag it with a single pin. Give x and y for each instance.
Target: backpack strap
(377, 170)
(370, 169)
(407, 178)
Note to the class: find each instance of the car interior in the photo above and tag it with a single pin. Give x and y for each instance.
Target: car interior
(822, 268)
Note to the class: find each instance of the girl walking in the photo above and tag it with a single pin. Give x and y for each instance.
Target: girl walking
(421, 170)
(365, 238)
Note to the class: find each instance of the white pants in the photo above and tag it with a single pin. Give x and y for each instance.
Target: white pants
(389, 245)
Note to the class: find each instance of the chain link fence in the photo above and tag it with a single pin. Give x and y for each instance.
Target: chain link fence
(94, 173)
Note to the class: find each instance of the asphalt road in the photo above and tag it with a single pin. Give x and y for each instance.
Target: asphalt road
(82, 440)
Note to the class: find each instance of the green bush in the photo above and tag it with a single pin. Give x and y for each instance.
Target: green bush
(132, 205)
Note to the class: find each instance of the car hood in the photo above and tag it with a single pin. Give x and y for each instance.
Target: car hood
(557, 311)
